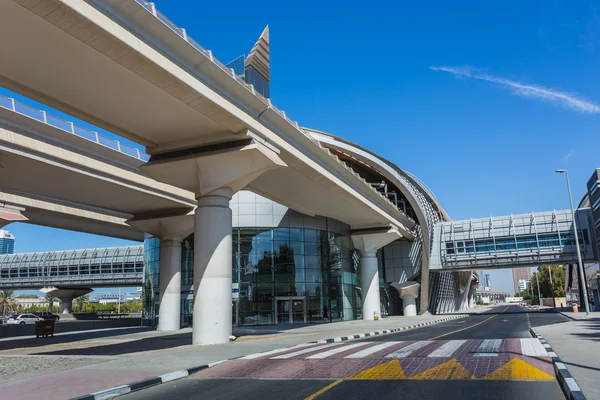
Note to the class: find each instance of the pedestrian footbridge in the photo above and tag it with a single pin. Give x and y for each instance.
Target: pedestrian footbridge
(512, 241)
(109, 267)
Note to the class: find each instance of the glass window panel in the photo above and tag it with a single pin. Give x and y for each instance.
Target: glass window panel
(296, 235)
(312, 262)
(311, 235)
(311, 248)
(281, 234)
(282, 247)
(313, 275)
(285, 273)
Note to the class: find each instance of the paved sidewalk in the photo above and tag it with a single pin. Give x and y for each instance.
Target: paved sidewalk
(567, 312)
(126, 366)
(577, 343)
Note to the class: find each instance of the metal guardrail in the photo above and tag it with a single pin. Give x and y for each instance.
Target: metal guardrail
(68, 126)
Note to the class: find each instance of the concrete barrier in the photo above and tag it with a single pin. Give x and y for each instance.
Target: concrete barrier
(70, 326)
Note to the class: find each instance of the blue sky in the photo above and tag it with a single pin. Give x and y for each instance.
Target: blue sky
(516, 97)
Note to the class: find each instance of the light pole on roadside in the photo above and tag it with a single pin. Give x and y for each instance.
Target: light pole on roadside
(581, 273)
(537, 278)
(552, 286)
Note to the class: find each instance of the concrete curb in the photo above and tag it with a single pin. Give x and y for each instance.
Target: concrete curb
(565, 379)
(404, 328)
(144, 384)
(157, 380)
(567, 316)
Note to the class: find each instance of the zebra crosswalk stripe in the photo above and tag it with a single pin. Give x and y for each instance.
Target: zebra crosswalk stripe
(447, 349)
(532, 347)
(304, 351)
(373, 349)
(332, 352)
(269, 353)
(489, 347)
(406, 351)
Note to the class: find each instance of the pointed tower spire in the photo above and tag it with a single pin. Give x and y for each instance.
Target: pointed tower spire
(258, 63)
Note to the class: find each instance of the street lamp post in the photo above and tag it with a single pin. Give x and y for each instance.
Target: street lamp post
(581, 274)
(537, 278)
(552, 286)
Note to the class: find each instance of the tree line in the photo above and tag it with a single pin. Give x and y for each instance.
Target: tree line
(545, 288)
(10, 305)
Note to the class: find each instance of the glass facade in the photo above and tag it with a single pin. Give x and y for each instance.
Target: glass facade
(150, 286)
(237, 64)
(271, 265)
(7, 242)
(516, 242)
(261, 85)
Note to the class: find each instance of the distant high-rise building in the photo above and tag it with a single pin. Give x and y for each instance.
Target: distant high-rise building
(488, 282)
(237, 65)
(7, 242)
(523, 285)
(256, 68)
(520, 274)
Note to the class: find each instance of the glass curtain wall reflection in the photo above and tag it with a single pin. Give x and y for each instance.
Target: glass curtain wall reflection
(269, 264)
(151, 279)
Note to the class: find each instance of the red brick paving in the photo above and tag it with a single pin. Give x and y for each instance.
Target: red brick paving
(338, 367)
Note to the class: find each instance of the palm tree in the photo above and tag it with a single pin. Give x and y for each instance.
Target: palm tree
(50, 300)
(8, 302)
(81, 301)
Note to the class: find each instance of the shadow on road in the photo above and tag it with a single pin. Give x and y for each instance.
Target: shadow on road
(592, 324)
(68, 338)
(132, 346)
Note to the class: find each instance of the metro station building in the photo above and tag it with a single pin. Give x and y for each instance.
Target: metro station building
(290, 267)
(354, 239)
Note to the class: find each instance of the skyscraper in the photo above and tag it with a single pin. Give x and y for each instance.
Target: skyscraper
(520, 274)
(256, 68)
(488, 282)
(7, 242)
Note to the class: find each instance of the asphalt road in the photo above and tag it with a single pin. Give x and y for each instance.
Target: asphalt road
(503, 322)
(310, 377)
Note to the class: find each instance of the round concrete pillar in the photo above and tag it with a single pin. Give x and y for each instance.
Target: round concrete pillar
(66, 306)
(170, 284)
(409, 305)
(369, 285)
(212, 268)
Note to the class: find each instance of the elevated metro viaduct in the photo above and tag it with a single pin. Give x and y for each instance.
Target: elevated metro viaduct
(209, 135)
(70, 152)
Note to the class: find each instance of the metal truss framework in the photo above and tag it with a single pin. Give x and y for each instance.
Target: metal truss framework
(515, 240)
(91, 267)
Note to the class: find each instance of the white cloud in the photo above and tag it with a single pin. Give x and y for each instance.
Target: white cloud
(555, 97)
(567, 156)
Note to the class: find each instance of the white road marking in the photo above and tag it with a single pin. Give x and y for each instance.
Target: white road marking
(300, 352)
(269, 353)
(337, 350)
(447, 349)
(405, 351)
(371, 350)
(532, 347)
(489, 348)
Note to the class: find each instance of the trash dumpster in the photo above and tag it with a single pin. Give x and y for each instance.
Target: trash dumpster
(44, 328)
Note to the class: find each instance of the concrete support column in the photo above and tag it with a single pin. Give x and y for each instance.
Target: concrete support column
(66, 305)
(408, 292)
(169, 312)
(369, 285)
(212, 268)
(409, 305)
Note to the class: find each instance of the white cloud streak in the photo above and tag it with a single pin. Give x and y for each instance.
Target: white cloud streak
(555, 97)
